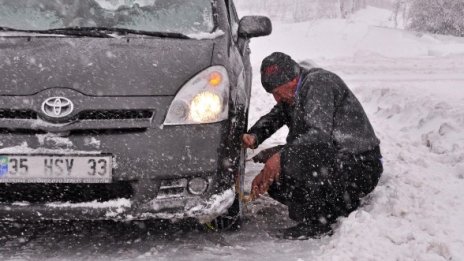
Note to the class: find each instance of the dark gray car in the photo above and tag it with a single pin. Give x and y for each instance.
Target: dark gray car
(123, 111)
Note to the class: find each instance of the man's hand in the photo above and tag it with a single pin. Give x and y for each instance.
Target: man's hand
(249, 141)
(268, 175)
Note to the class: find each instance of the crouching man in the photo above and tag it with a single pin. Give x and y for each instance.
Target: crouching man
(331, 158)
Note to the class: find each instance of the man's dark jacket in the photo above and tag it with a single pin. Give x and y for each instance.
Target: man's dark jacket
(325, 112)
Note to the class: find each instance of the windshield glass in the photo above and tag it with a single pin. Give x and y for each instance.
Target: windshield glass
(176, 16)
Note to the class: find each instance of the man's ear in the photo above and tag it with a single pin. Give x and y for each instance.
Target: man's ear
(294, 83)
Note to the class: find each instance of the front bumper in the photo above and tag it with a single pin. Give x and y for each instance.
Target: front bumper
(145, 154)
(186, 154)
(204, 210)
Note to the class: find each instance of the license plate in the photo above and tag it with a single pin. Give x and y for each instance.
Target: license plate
(55, 169)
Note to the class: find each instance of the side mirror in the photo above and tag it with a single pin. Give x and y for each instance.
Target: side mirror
(254, 26)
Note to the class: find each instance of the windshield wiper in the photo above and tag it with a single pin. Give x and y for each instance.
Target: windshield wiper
(61, 31)
(123, 31)
(103, 32)
(6, 29)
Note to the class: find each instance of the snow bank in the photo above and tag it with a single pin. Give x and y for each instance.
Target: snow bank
(417, 212)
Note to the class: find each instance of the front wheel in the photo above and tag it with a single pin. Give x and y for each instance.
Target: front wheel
(231, 220)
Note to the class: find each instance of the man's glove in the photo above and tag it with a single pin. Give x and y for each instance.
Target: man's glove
(266, 154)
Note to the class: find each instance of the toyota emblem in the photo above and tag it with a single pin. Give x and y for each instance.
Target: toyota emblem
(57, 107)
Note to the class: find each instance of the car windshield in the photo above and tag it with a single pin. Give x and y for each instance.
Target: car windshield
(174, 16)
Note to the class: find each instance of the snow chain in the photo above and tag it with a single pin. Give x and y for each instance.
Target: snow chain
(245, 199)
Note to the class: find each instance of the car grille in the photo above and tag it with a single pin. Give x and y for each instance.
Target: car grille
(172, 188)
(85, 115)
(115, 115)
(18, 114)
(74, 193)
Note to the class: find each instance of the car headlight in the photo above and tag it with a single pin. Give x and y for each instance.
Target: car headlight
(203, 99)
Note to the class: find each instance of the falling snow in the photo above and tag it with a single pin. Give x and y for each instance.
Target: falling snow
(411, 87)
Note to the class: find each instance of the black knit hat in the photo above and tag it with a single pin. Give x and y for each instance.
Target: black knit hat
(277, 69)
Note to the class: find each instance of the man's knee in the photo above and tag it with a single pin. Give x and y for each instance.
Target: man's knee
(308, 163)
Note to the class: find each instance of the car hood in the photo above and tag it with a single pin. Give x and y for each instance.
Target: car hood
(100, 67)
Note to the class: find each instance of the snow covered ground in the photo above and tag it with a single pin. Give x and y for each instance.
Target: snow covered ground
(412, 87)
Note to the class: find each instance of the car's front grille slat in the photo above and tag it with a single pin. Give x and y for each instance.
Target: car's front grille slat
(18, 114)
(84, 115)
(115, 115)
(172, 188)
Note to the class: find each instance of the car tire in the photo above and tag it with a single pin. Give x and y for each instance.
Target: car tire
(231, 220)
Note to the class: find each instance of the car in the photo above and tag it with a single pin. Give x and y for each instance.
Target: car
(124, 110)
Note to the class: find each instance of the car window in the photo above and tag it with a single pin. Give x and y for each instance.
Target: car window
(179, 16)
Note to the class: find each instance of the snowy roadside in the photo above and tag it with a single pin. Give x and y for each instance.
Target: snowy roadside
(412, 87)
(417, 212)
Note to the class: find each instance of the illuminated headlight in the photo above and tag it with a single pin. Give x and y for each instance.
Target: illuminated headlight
(197, 186)
(205, 107)
(204, 99)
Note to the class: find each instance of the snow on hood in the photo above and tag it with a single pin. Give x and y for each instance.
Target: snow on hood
(110, 67)
(205, 36)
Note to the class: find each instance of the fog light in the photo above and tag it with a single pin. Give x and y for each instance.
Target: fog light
(197, 186)
(179, 110)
